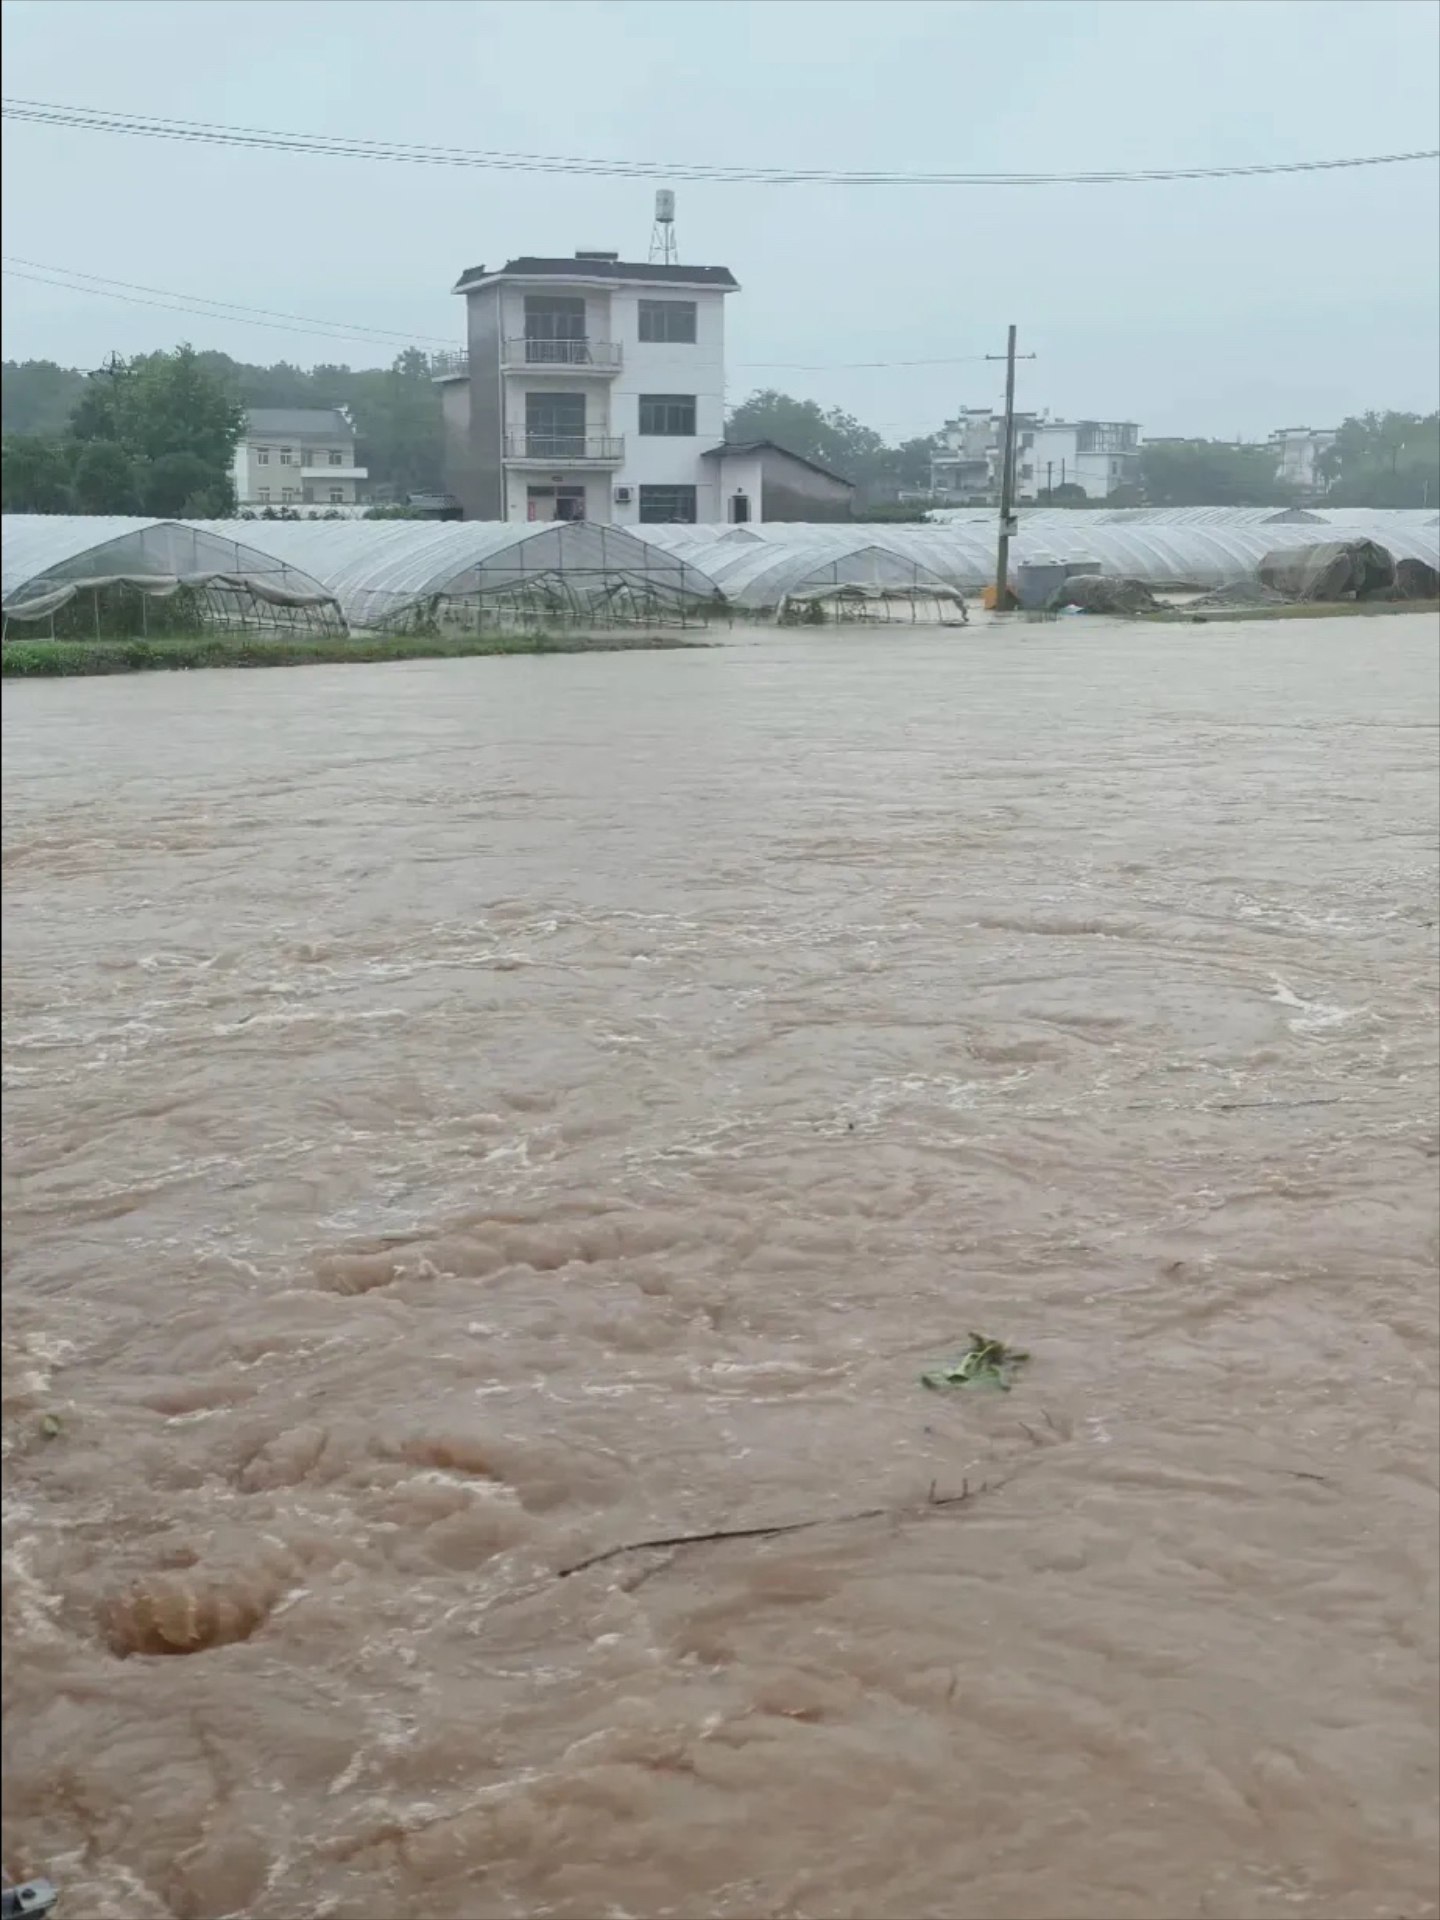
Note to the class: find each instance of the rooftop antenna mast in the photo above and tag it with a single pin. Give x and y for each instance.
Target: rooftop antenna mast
(662, 234)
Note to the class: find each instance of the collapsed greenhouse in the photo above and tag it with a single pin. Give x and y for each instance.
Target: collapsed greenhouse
(89, 574)
(462, 576)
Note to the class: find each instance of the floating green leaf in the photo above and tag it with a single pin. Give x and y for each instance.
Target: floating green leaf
(50, 1425)
(984, 1363)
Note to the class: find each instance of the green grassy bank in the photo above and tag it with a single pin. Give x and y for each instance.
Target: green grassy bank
(49, 659)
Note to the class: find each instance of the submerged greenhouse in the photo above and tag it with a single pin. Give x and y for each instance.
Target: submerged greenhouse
(95, 573)
(403, 575)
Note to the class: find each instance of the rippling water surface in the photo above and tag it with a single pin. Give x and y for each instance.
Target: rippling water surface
(463, 1117)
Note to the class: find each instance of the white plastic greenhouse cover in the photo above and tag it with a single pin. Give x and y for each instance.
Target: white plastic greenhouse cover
(1163, 554)
(377, 569)
(757, 575)
(47, 558)
(679, 538)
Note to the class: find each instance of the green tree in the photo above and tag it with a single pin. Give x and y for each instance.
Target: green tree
(399, 428)
(162, 408)
(1068, 494)
(184, 486)
(104, 480)
(832, 438)
(1209, 473)
(396, 409)
(34, 476)
(36, 396)
(1384, 460)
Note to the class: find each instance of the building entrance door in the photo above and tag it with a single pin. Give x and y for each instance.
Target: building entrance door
(555, 503)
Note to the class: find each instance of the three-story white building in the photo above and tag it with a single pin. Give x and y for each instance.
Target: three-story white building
(591, 388)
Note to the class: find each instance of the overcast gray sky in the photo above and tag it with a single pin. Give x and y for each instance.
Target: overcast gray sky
(1214, 307)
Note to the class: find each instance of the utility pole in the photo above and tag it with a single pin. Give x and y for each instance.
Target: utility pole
(1007, 477)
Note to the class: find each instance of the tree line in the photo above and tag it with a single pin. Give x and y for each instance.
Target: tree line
(1378, 460)
(156, 434)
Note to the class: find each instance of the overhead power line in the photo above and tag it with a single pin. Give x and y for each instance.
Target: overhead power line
(332, 146)
(137, 293)
(202, 307)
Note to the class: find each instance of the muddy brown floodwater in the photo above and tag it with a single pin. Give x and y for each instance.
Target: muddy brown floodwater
(461, 1117)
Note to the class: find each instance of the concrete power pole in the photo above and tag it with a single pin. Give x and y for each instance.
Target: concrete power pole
(1007, 480)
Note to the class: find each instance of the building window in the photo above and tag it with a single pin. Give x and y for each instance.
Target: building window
(264, 496)
(262, 456)
(668, 413)
(663, 506)
(287, 456)
(287, 493)
(671, 321)
(337, 459)
(337, 496)
(555, 426)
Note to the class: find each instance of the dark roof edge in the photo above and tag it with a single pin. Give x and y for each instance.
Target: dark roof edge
(757, 446)
(538, 267)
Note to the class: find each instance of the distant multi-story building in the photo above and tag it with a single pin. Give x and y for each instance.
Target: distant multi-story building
(1096, 455)
(297, 456)
(591, 388)
(1299, 453)
(963, 467)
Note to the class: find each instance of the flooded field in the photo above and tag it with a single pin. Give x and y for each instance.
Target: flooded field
(463, 1117)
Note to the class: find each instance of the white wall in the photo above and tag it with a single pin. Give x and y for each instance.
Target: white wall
(670, 367)
(249, 476)
(612, 402)
(740, 473)
(1067, 467)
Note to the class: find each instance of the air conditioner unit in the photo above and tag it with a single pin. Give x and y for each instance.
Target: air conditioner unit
(622, 496)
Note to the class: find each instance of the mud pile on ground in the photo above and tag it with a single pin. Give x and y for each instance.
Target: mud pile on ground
(1238, 593)
(1416, 580)
(1331, 570)
(1103, 593)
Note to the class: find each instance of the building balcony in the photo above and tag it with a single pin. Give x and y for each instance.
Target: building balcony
(450, 366)
(334, 475)
(526, 354)
(523, 449)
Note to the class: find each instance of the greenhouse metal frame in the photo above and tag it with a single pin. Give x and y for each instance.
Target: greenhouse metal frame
(111, 573)
(476, 575)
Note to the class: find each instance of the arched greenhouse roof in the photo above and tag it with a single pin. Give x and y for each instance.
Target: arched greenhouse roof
(47, 558)
(1164, 553)
(679, 537)
(758, 575)
(379, 570)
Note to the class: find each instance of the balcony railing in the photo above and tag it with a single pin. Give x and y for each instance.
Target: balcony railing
(450, 366)
(562, 449)
(600, 356)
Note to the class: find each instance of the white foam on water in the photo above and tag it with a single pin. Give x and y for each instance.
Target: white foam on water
(1313, 1016)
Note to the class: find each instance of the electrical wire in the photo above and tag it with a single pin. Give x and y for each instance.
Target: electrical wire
(205, 308)
(211, 133)
(201, 307)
